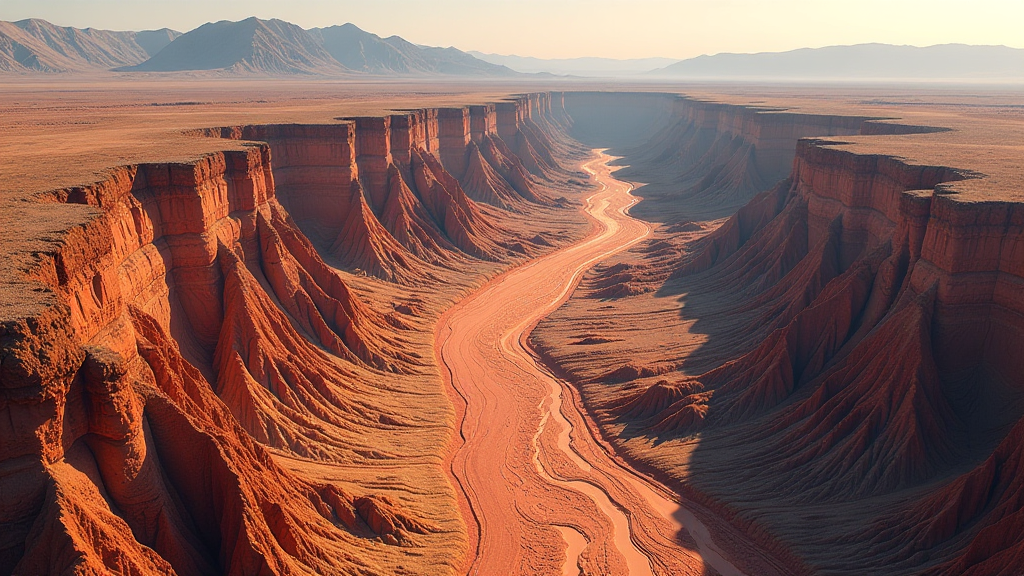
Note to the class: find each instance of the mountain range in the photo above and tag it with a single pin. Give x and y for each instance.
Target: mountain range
(250, 46)
(365, 52)
(860, 61)
(275, 47)
(36, 45)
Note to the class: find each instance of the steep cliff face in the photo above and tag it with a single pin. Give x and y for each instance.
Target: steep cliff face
(819, 261)
(203, 393)
(141, 459)
(387, 195)
(842, 348)
(888, 363)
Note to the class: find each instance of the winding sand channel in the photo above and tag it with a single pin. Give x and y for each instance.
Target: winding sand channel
(541, 495)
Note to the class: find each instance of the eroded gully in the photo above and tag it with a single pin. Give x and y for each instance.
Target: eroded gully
(540, 493)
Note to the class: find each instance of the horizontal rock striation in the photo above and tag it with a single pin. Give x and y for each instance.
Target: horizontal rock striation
(386, 195)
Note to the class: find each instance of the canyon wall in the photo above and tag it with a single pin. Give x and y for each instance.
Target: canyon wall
(125, 419)
(846, 384)
(401, 190)
(617, 120)
(699, 159)
(883, 368)
(193, 332)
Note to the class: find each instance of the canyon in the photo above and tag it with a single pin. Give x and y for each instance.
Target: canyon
(402, 329)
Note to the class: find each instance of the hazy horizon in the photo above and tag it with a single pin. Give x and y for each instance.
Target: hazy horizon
(579, 28)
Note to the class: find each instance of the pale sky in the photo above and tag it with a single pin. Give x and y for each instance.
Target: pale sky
(572, 28)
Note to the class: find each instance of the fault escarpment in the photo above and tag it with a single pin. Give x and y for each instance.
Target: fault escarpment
(202, 391)
(833, 365)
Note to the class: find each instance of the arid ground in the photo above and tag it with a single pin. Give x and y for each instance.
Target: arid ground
(281, 326)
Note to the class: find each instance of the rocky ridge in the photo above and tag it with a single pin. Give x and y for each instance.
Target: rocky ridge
(35, 45)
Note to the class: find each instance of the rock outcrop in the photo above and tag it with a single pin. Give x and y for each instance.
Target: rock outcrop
(387, 195)
(143, 462)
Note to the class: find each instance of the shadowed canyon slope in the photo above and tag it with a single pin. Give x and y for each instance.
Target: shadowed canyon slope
(190, 386)
(831, 365)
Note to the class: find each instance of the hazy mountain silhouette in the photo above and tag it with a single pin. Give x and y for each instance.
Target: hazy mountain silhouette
(278, 47)
(153, 41)
(586, 66)
(251, 45)
(35, 45)
(363, 51)
(861, 61)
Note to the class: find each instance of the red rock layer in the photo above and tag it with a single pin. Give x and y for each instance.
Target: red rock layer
(485, 184)
(489, 171)
(361, 191)
(530, 128)
(451, 210)
(330, 180)
(136, 454)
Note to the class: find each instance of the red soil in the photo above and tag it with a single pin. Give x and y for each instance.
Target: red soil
(522, 447)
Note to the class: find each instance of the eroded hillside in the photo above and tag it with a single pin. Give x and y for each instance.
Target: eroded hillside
(226, 365)
(832, 365)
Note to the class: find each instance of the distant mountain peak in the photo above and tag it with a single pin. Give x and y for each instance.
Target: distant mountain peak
(364, 51)
(249, 46)
(35, 45)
